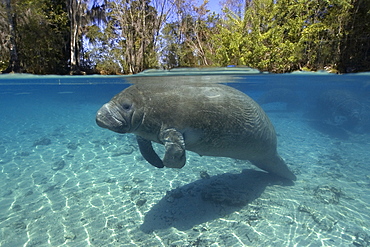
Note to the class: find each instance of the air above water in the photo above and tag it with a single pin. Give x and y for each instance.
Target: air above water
(64, 181)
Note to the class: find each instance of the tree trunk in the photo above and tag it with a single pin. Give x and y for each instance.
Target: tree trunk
(14, 64)
(74, 12)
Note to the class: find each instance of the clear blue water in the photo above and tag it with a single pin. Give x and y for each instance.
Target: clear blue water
(64, 181)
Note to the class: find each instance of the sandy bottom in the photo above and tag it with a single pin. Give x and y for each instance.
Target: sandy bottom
(66, 182)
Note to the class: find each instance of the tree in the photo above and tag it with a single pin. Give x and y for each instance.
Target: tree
(4, 47)
(43, 37)
(46, 36)
(281, 36)
(40, 35)
(137, 23)
(354, 53)
(79, 17)
(14, 64)
(107, 54)
(186, 40)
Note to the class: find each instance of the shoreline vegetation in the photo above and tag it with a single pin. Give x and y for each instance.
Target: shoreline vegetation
(126, 37)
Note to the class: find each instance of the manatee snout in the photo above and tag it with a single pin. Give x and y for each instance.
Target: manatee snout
(110, 117)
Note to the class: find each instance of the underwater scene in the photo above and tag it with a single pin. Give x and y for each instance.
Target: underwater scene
(296, 174)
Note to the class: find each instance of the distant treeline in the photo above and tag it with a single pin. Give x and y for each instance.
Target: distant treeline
(127, 36)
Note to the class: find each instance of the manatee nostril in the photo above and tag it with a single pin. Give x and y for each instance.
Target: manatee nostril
(110, 117)
(99, 115)
(102, 116)
(100, 120)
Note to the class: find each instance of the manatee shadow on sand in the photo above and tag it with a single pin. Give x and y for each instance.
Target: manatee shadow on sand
(208, 199)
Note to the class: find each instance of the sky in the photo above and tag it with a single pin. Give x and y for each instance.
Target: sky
(214, 5)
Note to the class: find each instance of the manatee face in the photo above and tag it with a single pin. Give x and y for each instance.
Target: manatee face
(117, 115)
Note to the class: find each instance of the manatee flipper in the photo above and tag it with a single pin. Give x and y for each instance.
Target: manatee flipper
(174, 143)
(276, 165)
(147, 151)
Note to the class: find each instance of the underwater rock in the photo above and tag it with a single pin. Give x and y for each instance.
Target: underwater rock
(72, 146)
(126, 187)
(88, 167)
(198, 242)
(204, 175)
(110, 180)
(7, 192)
(4, 160)
(39, 178)
(19, 225)
(137, 180)
(28, 193)
(253, 216)
(51, 188)
(122, 151)
(100, 143)
(134, 193)
(325, 222)
(69, 236)
(16, 207)
(220, 193)
(42, 141)
(174, 194)
(327, 194)
(140, 202)
(362, 239)
(23, 153)
(200, 228)
(58, 165)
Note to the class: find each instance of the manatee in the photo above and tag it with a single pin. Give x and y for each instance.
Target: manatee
(208, 119)
(340, 108)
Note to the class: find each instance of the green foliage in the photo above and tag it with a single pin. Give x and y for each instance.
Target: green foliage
(355, 47)
(41, 36)
(187, 40)
(106, 55)
(281, 36)
(271, 35)
(4, 49)
(134, 25)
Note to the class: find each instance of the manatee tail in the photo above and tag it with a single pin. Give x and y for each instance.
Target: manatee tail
(275, 165)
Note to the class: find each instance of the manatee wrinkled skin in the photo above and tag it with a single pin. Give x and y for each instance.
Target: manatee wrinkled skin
(208, 119)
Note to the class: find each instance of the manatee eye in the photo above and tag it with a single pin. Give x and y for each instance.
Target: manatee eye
(126, 106)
